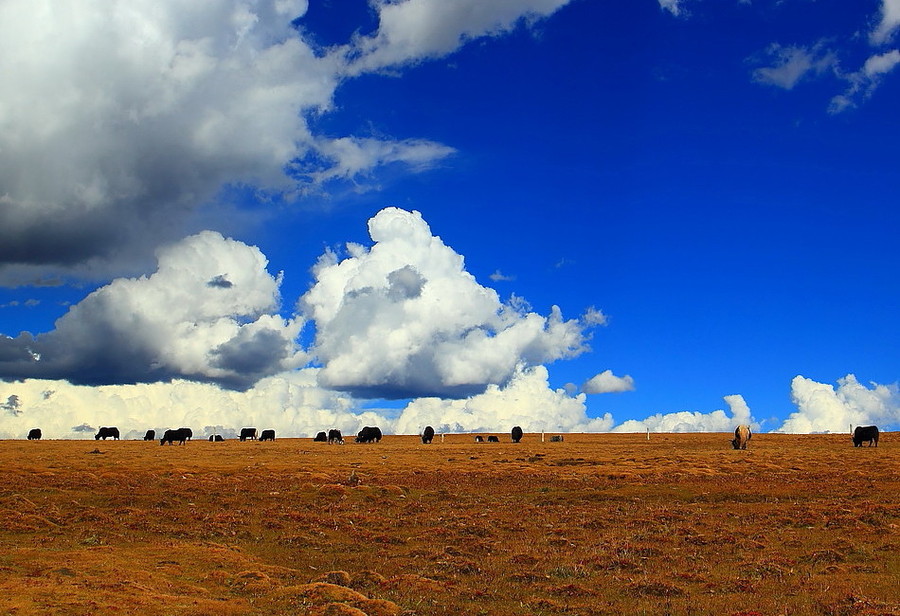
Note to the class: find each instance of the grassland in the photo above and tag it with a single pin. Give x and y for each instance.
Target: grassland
(598, 524)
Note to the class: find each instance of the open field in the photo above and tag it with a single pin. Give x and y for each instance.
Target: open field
(598, 524)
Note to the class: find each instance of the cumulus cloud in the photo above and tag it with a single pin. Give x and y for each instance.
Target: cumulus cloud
(404, 318)
(186, 320)
(290, 403)
(695, 421)
(822, 408)
(119, 119)
(417, 29)
(400, 319)
(527, 400)
(119, 122)
(607, 382)
(790, 64)
(890, 19)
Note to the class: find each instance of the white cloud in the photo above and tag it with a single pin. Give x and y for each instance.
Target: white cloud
(881, 64)
(405, 318)
(118, 122)
(417, 29)
(291, 403)
(694, 421)
(499, 276)
(890, 19)
(789, 65)
(117, 119)
(673, 6)
(864, 82)
(607, 382)
(792, 64)
(209, 313)
(349, 157)
(526, 401)
(821, 408)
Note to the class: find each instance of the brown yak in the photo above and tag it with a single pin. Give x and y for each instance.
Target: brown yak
(741, 437)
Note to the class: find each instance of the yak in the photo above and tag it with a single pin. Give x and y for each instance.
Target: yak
(741, 438)
(321, 437)
(34, 434)
(170, 436)
(493, 439)
(427, 435)
(105, 433)
(516, 434)
(150, 435)
(369, 435)
(267, 435)
(865, 434)
(335, 437)
(248, 433)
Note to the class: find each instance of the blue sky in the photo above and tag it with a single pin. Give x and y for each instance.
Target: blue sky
(716, 177)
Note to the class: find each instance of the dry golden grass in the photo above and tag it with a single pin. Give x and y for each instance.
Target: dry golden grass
(598, 524)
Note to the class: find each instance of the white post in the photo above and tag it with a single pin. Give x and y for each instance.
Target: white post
(542, 436)
(442, 438)
(648, 434)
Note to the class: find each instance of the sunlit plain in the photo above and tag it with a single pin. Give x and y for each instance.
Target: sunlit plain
(596, 524)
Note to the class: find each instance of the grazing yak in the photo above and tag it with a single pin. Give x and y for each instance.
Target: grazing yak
(741, 438)
(493, 439)
(516, 434)
(216, 438)
(479, 439)
(248, 433)
(189, 432)
(863, 434)
(321, 437)
(369, 435)
(34, 434)
(557, 438)
(427, 435)
(105, 433)
(267, 435)
(170, 436)
(150, 436)
(335, 437)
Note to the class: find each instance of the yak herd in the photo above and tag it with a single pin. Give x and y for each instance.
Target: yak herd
(372, 434)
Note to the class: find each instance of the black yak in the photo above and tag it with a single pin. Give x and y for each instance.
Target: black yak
(427, 435)
(865, 434)
(105, 433)
(171, 436)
